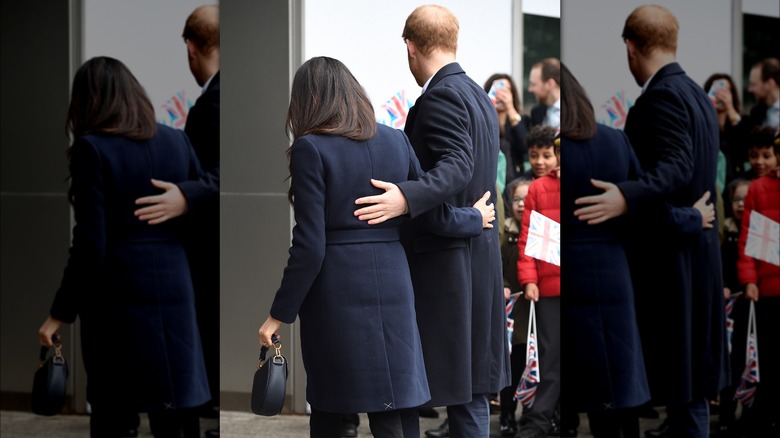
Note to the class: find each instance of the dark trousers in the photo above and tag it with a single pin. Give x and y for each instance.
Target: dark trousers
(689, 420)
(109, 423)
(548, 324)
(400, 423)
(470, 420)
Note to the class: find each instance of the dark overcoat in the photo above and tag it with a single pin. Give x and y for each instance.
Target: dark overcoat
(129, 282)
(604, 367)
(453, 128)
(202, 196)
(349, 281)
(677, 279)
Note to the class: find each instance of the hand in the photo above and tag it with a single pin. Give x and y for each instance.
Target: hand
(507, 293)
(603, 207)
(532, 292)
(504, 95)
(726, 293)
(488, 210)
(751, 291)
(707, 210)
(164, 206)
(390, 204)
(269, 328)
(724, 97)
(49, 327)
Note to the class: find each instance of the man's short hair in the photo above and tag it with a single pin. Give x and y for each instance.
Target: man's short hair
(770, 69)
(652, 27)
(551, 69)
(202, 28)
(432, 27)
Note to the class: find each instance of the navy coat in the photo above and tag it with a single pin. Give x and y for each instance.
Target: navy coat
(129, 282)
(677, 279)
(604, 364)
(453, 128)
(349, 281)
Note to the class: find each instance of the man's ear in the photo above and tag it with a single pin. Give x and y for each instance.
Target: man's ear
(191, 49)
(412, 48)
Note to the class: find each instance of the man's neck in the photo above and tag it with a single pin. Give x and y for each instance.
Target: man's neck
(435, 61)
(656, 61)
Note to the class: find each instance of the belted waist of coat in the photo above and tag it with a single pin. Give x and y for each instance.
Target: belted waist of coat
(365, 235)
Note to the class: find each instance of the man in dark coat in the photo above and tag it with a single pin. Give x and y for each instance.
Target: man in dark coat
(200, 198)
(453, 128)
(677, 279)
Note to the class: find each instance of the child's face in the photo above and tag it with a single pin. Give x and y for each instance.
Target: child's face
(762, 160)
(542, 160)
(518, 201)
(738, 201)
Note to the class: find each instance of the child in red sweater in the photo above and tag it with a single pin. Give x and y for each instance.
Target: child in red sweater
(541, 282)
(762, 280)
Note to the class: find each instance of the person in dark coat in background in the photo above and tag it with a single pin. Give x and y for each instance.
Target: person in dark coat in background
(513, 127)
(458, 289)
(199, 199)
(127, 282)
(604, 372)
(344, 277)
(674, 131)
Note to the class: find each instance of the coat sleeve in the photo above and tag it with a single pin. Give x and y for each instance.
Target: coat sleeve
(671, 144)
(526, 265)
(202, 194)
(307, 252)
(86, 261)
(446, 220)
(443, 120)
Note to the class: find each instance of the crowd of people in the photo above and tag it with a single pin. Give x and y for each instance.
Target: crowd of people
(410, 246)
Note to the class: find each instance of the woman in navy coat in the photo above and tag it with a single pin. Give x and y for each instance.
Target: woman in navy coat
(128, 282)
(604, 371)
(349, 281)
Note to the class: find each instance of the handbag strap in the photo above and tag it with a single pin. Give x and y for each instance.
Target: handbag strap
(55, 338)
(264, 350)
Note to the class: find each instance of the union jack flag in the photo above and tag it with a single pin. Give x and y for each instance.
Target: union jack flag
(544, 239)
(397, 108)
(177, 108)
(763, 240)
(510, 322)
(617, 109)
(746, 391)
(729, 320)
(526, 389)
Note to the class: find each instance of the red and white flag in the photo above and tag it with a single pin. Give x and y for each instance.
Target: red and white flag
(544, 239)
(763, 242)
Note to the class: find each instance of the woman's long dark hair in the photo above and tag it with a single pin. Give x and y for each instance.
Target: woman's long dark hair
(327, 99)
(107, 98)
(578, 120)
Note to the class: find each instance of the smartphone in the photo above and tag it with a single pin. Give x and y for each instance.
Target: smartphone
(718, 84)
(496, 85)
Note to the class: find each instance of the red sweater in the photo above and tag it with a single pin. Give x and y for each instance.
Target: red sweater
(763, 197)
(544, 196)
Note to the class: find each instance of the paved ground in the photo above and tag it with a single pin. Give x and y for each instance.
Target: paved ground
(233, 425)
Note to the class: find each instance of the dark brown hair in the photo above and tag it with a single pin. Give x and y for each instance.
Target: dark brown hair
(107, 98)
(734, 95)
(652, 27)
(550, 69)
(202, 28)
(578, 121)
(541, 136)
(770, 69)
(513, 88)
(327, 99)
(432, 27)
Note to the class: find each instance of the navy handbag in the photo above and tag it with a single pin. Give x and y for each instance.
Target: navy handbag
(268, 387)
(50, 381)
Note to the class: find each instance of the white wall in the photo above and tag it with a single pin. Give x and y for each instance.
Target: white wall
(366, 37)
(146, 36)
(593, 50)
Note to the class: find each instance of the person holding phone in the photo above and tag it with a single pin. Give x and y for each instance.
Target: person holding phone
(513, 126)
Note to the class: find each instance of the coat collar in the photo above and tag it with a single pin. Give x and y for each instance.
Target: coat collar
(670, 69)
(452, 68)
